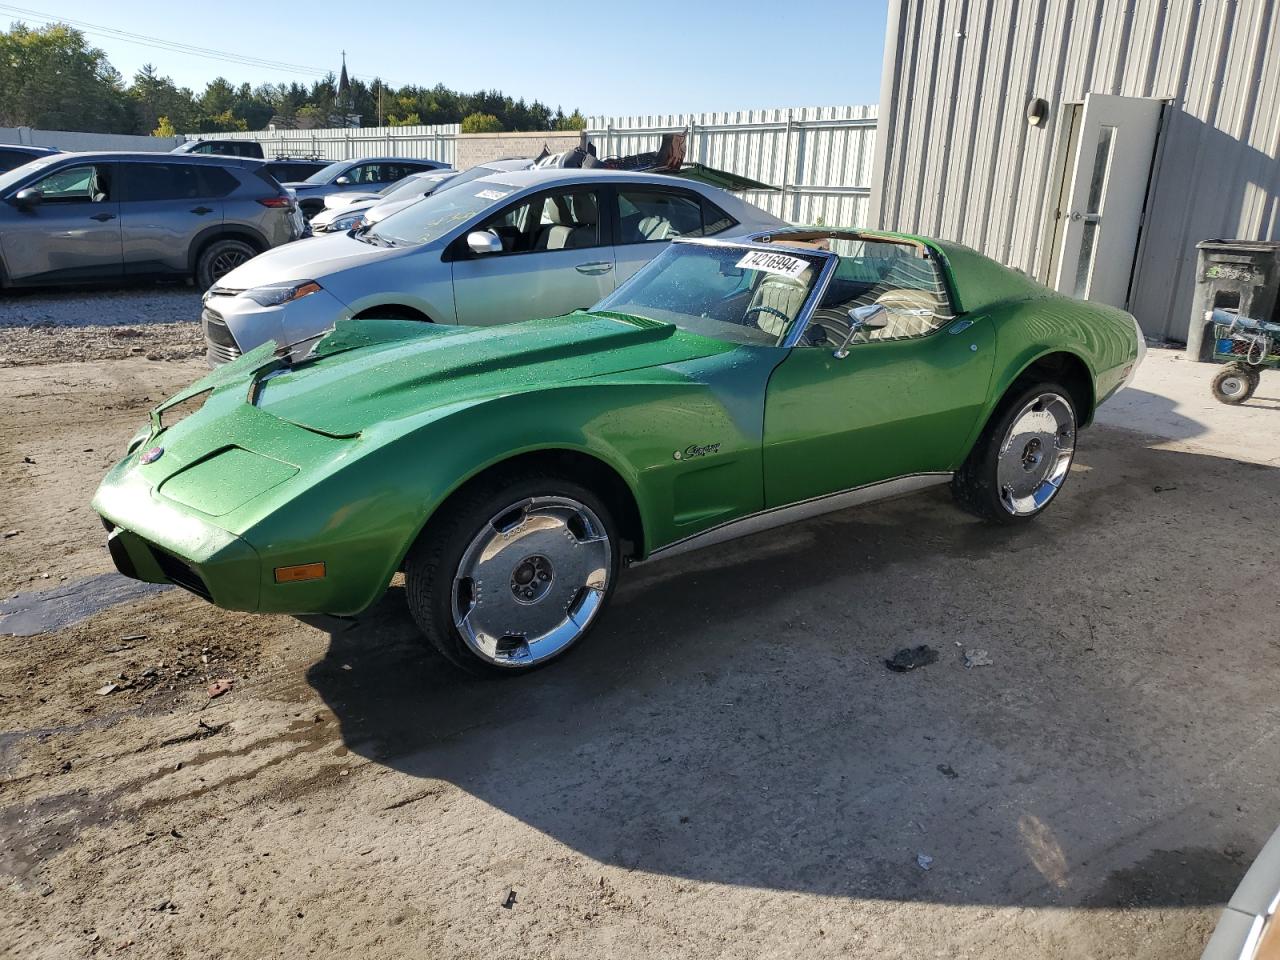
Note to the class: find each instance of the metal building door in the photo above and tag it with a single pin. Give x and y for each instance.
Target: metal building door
(1105, 190)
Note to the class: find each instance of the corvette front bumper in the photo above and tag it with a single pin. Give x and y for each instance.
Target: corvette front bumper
(174, 547)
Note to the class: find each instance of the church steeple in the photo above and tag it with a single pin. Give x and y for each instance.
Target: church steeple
(344, 85)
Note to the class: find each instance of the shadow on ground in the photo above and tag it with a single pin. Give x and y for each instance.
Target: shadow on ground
(731, 720)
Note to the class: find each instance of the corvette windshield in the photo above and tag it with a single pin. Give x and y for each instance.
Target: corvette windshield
(434, 216)
(739, 294)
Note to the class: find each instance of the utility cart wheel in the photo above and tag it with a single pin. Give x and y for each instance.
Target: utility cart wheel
(1234, 385)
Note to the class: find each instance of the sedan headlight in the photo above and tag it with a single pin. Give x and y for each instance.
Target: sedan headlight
(274, 294)
(343, 224)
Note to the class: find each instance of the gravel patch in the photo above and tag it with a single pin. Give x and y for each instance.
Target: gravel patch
(100, 308)
(157, 322)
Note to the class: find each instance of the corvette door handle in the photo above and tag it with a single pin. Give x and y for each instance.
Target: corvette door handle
(103, 217)
(202, 210)
(594, 267)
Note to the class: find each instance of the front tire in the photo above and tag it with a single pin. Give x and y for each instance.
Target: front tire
(1022, 457)
(220, 258)
(513, 572)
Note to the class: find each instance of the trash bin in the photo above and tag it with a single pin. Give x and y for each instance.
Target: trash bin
(1241, 276)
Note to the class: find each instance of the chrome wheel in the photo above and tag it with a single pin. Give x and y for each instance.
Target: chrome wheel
(1036, 454)
(531, 581)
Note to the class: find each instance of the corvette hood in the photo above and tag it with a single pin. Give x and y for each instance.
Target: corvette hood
(416, 367)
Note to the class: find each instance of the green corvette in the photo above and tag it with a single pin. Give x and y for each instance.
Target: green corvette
(511, 471)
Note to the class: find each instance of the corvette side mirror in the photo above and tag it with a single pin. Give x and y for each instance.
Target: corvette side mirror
(482, 242)
(874, 316)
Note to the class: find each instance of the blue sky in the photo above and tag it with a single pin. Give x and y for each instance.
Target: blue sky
(602, 56)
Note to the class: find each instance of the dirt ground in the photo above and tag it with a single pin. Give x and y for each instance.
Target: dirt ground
(155, 321)
(726, 769)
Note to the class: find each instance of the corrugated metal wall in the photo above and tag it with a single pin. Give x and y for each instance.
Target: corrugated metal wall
(959, 160)
(821, 157)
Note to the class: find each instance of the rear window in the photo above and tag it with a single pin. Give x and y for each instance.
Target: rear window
(287, 172)
(229, 148)
(20, 172)
(216, 181)
(175, 181)
(12, 158)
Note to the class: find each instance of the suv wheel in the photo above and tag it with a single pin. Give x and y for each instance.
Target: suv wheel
(220, 258)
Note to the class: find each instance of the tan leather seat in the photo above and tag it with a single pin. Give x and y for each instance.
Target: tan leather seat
(911, 294)
(654, 227)
(779, 293)
(912, 313)
(563, 233)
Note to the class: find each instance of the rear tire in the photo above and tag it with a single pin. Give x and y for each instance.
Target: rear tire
(1021, 458)
(513, 572)
(220, 258)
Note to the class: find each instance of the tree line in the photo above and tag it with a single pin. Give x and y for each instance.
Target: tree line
(52, 79)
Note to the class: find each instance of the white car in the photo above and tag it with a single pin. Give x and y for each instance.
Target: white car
(346, 211)
(501, 248)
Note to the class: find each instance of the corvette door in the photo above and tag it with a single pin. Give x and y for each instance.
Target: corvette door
(555, 260)
(904, 401)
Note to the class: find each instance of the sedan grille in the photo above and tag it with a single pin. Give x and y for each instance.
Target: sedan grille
(221, 344)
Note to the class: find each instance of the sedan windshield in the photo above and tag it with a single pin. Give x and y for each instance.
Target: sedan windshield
(329, 173)
(18, 173)
(413, 186)
(738, 294)
(433, 217)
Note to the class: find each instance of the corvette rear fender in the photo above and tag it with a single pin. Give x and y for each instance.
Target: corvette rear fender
(1063, 340)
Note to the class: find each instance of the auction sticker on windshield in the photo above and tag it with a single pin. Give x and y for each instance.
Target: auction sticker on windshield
(492, 194)
(773, 263)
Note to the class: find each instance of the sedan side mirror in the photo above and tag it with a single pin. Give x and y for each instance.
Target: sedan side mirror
(874, 316)
(343, 181)
(28, 198)
(483, 242)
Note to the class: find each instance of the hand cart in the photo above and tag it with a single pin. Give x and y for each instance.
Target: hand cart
(1247, 347)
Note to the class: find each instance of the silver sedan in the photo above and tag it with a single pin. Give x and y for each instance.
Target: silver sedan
(501, 248)
(346, 211)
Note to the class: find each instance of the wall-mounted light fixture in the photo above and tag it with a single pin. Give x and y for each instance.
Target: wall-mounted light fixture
(1037, 112)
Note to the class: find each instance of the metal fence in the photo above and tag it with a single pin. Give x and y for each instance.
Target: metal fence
(819, 157)
(426, 141)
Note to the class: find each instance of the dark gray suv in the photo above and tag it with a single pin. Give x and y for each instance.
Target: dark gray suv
(75, 217)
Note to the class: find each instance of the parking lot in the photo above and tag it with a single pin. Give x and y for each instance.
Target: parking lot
(725, 768)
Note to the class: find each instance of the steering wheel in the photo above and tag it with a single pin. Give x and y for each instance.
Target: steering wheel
(763, 309)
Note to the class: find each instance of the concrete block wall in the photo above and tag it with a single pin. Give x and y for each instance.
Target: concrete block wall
(473, 148)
